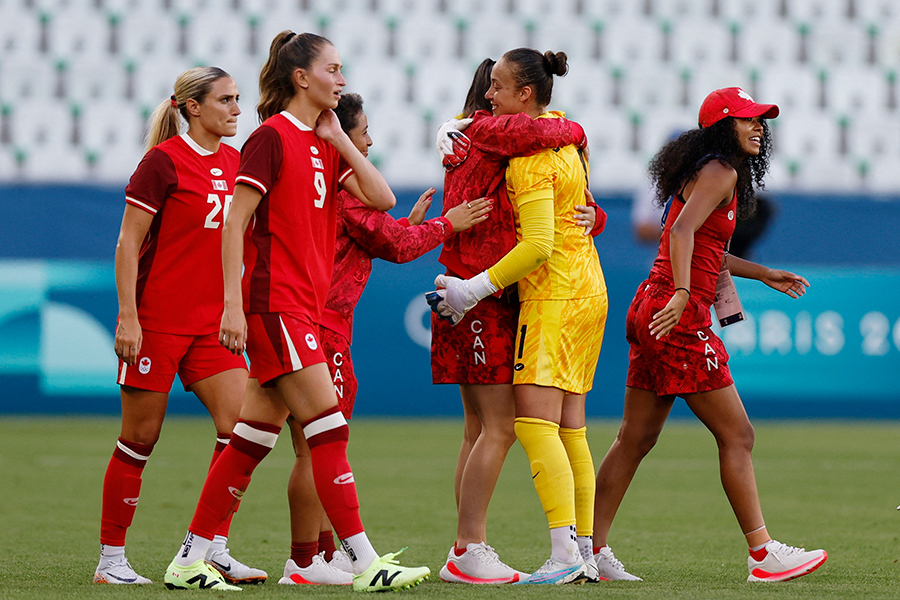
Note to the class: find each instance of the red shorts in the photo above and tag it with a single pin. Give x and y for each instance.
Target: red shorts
(690, 359)
(193, 357)
(340, 365)
(279, 343)
(480, 349)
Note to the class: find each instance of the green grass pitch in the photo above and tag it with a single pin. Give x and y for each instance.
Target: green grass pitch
(822, 484)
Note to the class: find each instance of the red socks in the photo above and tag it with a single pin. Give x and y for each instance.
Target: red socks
(327, 435)
(760, 554)
(326, 543)
(230, 474)
(302, 553)
(121, 490)
(222, 440)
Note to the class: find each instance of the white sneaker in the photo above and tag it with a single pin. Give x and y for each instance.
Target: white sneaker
(340, 560)
(118, 573)
(233, 570)
(785, 562)
(478, 564)
(558, 573)
(318, 572)
(611, 568)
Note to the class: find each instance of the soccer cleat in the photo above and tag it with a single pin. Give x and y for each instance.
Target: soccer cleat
(318, 572)
(478, 564)
(785, 562)
(559, 573)
(593, 574)
(611, 568)
(233, 570)
(118, 573)
(198, 576)
(385, 574)
(340, 560)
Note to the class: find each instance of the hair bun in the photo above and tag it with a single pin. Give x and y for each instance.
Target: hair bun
(556, 63)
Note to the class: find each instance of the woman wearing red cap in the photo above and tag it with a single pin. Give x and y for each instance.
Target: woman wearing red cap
(709, 174)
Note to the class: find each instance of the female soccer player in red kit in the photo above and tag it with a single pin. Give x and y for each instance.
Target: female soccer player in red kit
(170, 298)
(290, 171)
(709, 174)
(363, 234)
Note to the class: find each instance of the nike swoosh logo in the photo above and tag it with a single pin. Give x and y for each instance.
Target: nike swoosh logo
(344, 479)
(236, 492)
(122, 579)
(224, 567)
(130, 501)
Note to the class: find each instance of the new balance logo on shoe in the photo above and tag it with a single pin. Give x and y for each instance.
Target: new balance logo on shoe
(203, 581)
(385, 580)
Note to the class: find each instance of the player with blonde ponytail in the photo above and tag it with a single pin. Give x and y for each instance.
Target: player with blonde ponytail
(169, 284)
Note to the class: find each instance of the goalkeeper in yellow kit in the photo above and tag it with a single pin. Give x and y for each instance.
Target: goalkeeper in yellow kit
(562, 316)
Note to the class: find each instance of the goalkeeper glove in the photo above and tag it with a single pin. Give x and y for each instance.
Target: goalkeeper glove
(455, 297)
(452, 144)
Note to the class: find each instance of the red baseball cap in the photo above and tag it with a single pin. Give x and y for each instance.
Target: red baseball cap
(733, 102)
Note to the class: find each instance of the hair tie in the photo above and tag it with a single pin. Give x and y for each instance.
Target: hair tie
(174, 101)
(289, 37)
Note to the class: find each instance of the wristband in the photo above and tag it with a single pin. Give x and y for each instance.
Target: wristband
(685, 289)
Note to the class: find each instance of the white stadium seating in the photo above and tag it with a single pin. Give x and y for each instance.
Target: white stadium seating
(638, 70)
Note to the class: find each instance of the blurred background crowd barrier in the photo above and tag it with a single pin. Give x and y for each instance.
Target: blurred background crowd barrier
(78, 79)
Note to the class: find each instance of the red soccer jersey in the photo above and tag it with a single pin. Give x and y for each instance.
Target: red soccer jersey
(709, 246)
(288, 269)
(188, 190)
(494, 141)
(364, 233)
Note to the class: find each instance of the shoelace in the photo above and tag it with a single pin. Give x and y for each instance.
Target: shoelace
(779, 548)
(615, 562)
(487, 554)
(319, 560)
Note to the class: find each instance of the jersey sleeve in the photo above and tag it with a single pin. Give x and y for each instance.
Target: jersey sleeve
(261, 159)
(344, 170)
(152, 182)
(381, 236)
(535, 247)
(520, 135)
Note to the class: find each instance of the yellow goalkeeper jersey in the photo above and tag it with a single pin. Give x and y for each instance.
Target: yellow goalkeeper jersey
(573, 270)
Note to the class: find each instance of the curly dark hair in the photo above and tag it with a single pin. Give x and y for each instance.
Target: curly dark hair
(349, 110)
(681, 159)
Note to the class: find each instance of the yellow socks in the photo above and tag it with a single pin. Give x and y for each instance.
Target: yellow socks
(550, 469)
(576, 445)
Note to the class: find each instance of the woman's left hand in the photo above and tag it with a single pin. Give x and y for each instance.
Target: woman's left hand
(665, 320)
(784, 281)
(420, 208)
(585, 216)
(328, 127)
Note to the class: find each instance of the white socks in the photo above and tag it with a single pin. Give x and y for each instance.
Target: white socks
(564, 548)
(360, 550)
(193, 548)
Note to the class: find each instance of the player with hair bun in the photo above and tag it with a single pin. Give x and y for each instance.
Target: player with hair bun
(285, 200)
(562, 313)
(169, 284)
(477, 353)
(707, 176)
